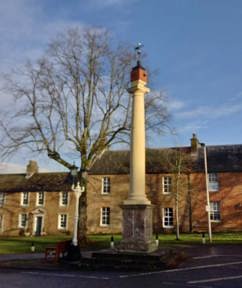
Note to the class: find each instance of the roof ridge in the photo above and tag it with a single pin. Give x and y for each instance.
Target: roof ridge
(39, 173)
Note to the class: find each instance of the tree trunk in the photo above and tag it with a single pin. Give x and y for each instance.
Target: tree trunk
(190, 202)
(177, 213)
(82, 225)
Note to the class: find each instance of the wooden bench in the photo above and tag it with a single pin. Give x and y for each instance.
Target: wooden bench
(58, 251)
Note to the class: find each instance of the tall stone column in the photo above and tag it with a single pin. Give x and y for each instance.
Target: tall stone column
(137, 150)
(137, 209)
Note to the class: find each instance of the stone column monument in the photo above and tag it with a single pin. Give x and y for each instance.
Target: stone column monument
(137, 209)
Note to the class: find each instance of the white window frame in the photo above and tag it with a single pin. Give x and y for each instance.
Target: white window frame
(20, 220)
(61, 220)
(166, 185)
(106, 185)
(23, 198)
(61, 203)
(215, 211)
(2, 199)
(213, 184)
(105, 218)
(168, 216)
(1, 222)
(38, 198)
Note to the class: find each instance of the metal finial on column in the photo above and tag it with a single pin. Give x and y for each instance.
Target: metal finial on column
(138, 51)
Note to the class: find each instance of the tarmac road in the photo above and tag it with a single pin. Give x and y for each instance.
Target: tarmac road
(218, 266)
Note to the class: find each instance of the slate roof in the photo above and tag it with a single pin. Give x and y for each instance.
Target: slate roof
(38, 182)
(226, 158)
(221, 158)
(117, 162)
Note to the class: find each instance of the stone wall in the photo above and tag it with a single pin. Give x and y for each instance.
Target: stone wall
(192, 202)
(12, 208)
(119, 192)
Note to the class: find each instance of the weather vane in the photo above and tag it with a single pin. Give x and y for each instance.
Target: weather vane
(138, 51)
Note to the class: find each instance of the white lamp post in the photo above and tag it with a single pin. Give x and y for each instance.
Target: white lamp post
(78, 190)
(207, 192)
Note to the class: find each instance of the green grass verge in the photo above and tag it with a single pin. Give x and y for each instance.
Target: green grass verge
(23, 244)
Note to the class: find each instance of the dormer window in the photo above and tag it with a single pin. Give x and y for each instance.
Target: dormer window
(213, 184)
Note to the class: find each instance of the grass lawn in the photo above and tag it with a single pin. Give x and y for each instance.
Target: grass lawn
(196, 238)
(23, 244)
(185, 238)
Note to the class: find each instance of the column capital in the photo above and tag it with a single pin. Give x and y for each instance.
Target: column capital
(138, 85)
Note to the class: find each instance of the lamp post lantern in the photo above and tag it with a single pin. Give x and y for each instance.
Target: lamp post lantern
(207, 192)
(78, 190)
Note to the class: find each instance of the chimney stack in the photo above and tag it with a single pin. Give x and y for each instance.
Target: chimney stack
(31, 169)
(195, 144)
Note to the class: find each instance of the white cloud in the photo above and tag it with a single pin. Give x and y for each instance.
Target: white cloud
(25, 31)
(192, 127)
(10, 168)
(174, 104)
(105, 3)
(210, 112)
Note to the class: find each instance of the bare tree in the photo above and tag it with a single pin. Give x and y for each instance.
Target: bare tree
(74, 99)
(180, 164)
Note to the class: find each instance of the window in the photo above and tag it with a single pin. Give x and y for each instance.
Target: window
(1, 223)
(166, 184)
(215, 211)
(106, 185)
(64, 198)
(25, 198)
(213, 182)
(23, 220)
(40, 198)
(105, 216)
(167, 217)
(2, 199)
(62, 221)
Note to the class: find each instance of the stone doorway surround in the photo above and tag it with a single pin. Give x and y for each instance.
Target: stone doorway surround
(38, 221)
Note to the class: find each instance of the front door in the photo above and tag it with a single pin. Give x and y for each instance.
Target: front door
(38, 226)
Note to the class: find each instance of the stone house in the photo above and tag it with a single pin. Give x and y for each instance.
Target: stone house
(43, 203)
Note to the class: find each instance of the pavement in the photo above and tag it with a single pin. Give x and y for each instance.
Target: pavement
(29, 261)
(37, 261)
(206, 266)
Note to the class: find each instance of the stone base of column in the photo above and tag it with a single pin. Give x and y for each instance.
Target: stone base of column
(137, 229)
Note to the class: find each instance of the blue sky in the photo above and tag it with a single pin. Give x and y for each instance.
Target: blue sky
(194, 45)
